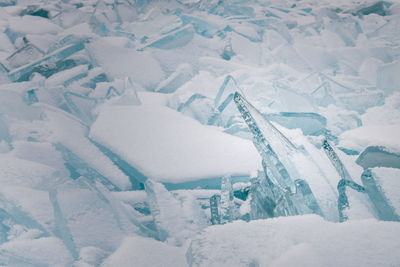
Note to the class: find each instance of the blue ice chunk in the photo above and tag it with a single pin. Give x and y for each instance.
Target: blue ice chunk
(335, 160)
(176, 39)
(23, 72)
(380, 8)
(378, 198)
(310, 123)
(81, 106)
(378, 156)
(343, 201)
(277, 172)
(7, 3)
(78, 167)
(242, 193)
(32, 98)
(136, 178)
(35, 10)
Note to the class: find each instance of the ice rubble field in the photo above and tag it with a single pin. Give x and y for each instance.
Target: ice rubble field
(199, 133)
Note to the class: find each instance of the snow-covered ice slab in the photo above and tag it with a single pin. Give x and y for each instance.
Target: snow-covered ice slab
(383, 185)
(169, 147)
(305, 240)
(374, 135)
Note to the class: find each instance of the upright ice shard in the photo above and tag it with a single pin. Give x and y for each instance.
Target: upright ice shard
(227, 204)
(285, 194)
(215, 206)
(335, 160)
(273, 147)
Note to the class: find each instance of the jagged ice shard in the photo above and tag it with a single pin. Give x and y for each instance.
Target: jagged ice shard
(290, 196)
